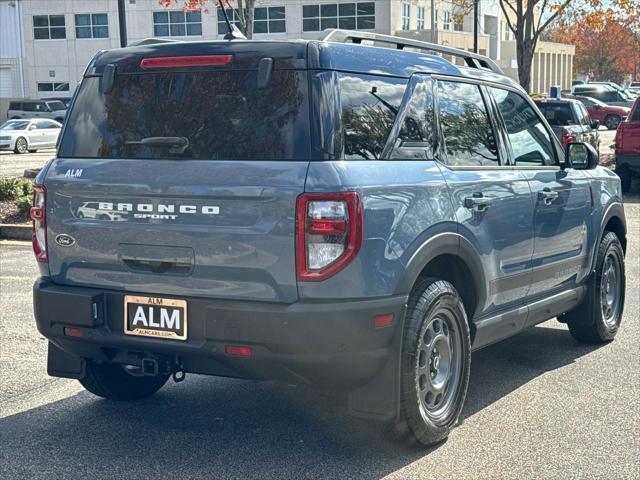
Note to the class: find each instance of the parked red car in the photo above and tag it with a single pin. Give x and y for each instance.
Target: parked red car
(608, 115)
(627, 147)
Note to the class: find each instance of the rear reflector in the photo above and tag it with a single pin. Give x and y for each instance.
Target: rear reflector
(73, 332)
(179, 62)
(383, 321)
(237, 351)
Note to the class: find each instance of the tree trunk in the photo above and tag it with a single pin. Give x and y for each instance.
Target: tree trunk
(249, 18)
(525, 51)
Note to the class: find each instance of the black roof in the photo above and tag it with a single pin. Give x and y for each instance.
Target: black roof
(296, 54)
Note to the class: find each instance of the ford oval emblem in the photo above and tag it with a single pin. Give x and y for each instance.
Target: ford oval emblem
(65, 240)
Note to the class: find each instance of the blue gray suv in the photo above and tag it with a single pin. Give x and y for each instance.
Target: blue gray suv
(332, 213)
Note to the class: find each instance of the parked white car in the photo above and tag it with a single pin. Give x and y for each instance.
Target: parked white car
(29, 134)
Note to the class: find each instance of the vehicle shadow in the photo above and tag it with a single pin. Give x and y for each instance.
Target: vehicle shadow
(222, 428)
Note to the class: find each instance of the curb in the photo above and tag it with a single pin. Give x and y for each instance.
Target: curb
(15, 232)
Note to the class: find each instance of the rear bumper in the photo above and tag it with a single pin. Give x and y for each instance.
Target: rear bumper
(631, 161)
(331, 344)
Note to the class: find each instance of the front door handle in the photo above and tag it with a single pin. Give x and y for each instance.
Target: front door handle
(548, 196)
(478, 202)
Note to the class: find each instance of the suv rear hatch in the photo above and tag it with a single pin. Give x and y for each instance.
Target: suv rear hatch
(178, 171)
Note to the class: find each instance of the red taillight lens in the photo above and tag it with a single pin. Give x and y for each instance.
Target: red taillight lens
(38, 214)
(186, 61)
(567, 138)
(328, 233)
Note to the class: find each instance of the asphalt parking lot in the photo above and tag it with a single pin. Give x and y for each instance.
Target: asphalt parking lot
(539, 406)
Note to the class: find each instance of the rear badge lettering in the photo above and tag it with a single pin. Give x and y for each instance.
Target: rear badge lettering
(74, 173)
(158, 211)
(65, 240)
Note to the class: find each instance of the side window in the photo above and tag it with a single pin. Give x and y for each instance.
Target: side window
(530, 141)
(413, 137)
(585, 119)
(467, 131)
(28, 107)
(369, 108)
(41, 125)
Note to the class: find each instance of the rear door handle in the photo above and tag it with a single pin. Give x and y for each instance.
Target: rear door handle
(478, 202)
(548, 196)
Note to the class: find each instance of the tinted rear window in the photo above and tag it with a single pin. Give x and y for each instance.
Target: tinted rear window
(557, 113)
(222, 114)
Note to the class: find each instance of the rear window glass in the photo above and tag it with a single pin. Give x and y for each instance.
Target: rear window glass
(557, 113)
(222, 115)
(369, 108)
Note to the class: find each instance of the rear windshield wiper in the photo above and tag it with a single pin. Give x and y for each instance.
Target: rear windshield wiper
(174, 144)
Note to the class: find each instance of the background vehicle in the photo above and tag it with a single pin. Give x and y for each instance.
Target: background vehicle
(608, 115)
(65, 100)
(337, 214)
(604, 93)
(28, 135)
(570, 121)
(627, 148)
(53, 109)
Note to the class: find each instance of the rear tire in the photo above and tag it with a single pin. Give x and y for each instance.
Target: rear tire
(111, 381)
(597, 319)
(612, 122)
(436, 360)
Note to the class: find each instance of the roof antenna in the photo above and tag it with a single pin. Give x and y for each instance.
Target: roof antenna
(234, 33)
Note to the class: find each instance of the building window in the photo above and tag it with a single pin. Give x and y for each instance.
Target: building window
(457, 25)
(351, 16)
(269, 20)
(94, 25)
(177, 23)
(53, 87)
(234, 18)
(406, 15)
(446, 20)
(49, 27)
(420, 22)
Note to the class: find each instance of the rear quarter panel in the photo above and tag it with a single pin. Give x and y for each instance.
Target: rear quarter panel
(404, 204)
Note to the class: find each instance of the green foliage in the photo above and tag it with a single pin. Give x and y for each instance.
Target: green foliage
(24, 204)
(14, 188)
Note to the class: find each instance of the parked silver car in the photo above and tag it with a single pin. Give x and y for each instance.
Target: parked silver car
(29, 134)
(604, 93)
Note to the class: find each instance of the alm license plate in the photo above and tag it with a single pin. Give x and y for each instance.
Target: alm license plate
(155, 317)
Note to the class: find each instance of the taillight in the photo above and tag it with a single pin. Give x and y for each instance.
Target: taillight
(328, 233)
(38, 214)
(567, 138)
(186, 61)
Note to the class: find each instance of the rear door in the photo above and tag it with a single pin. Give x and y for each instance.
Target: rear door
(561, 197)
(182, 182)
(492, 200)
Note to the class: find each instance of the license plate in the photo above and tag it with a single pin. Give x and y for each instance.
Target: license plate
(155, 317)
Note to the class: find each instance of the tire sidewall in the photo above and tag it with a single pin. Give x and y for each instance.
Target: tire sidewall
(610, 244)
(26, 149)
(431, 300)
(612, 118)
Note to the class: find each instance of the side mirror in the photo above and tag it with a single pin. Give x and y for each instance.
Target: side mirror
(596, 124)
(581, 156)
(32, 127)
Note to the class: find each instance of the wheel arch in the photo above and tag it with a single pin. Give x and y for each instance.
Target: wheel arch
(450, 257)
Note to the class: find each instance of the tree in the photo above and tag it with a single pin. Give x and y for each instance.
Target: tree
(607, 48)
(244, 10)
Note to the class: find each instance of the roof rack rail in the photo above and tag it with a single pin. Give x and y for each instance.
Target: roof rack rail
(153, 41)
(472, 60)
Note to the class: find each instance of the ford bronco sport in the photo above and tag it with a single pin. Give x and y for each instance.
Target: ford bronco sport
(326, 212)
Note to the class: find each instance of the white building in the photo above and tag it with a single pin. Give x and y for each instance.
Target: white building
(46, 44)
